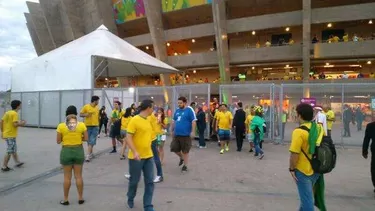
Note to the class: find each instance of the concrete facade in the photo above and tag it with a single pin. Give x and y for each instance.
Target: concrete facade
(41, 27)
(33, 35)
(54, 19)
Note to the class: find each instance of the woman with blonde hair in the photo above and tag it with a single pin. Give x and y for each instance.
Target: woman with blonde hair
(71, 134)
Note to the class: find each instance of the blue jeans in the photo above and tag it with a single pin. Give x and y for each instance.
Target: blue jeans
(135, 169)
(155, 151)
(305, 190)
(258, 150)
(92, 132)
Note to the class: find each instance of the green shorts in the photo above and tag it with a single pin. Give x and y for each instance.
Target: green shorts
(72, 156)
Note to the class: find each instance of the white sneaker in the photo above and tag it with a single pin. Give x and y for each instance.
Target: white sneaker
(98, 136)
(87, 158)
(127, 176)
(158, 179)
(261, 156)
(202, 147)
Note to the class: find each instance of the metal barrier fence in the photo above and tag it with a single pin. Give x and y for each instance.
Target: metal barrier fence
(47, 108)
(253, 94)
(353, 105)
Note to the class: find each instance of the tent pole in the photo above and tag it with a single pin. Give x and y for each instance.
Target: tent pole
(101, 72)
(96, 68)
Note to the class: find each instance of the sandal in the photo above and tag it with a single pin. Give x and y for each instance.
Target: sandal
(81, 201)
(65, 203)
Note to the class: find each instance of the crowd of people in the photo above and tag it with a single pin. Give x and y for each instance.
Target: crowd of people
(143, 130)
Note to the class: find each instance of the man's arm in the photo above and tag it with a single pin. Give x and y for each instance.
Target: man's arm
(129, 141)
(83, 112)
(366, 141)
(235, 119)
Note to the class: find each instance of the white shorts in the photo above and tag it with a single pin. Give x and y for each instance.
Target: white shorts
(250, 137)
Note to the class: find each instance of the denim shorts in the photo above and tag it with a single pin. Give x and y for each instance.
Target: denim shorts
(224, 134)
(92, 132)
(123, 134)
(11, 145)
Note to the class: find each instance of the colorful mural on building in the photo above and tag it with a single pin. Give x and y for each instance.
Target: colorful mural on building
(125, 10)
(172, 5)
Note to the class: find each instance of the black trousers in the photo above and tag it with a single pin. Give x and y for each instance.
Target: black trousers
(101, 124)
(239, 137)
(373, 167)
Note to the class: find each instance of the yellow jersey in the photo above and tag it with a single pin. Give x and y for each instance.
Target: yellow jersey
(300, 142)
(224, 119)
(9, 130)
(125, 122)
(141, 130)
(93, 119)
(330, 119)
(70, 138)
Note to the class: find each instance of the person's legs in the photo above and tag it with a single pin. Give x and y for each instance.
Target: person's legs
(113, 137)
(161, 152)
(373, 168)
(11, 151)
(101, 123)
(329, 133)
(67, 181)
(148, 175)
(202, 142)
(258, 150)
(176, 148)
(159, 170)
(238, 139)
(79, 180)
(305, 191)
(283, 131)
(123, 146)
(186, 143)
(135, 170)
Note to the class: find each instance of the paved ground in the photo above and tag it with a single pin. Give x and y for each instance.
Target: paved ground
(233, 181)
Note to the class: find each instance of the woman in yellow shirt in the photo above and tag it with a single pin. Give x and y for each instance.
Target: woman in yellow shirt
(125, 119)
(71, 134)
(161, 132)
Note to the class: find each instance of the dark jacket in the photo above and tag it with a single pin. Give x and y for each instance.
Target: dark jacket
(239, 119)
(369, 136)
(201, 120)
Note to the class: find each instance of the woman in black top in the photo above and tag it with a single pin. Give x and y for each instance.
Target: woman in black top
(103, 120)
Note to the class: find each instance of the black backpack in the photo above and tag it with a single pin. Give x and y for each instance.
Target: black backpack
(323, 160)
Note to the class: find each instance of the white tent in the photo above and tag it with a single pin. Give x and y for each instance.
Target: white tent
(77, 64)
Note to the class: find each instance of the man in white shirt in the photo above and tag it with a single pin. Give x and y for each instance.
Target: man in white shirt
(320, 118)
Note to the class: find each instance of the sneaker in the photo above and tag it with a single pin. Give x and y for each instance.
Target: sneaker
(18, 165)
(202, 147)
(98, 136)
(261, 156)
(127, 176)
(226, 148)
(6, 169)
(122, 157)
(181, 162)
(87, 158)
(158, 179)
(113, 151)
(184, 168)
(251, 150)
(130, 204)
(222, 151)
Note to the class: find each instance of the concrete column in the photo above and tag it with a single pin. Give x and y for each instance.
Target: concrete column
(54, 20)
(154, 14)
(33, 35)
(41, 27)
(221, 36)
(306, 39)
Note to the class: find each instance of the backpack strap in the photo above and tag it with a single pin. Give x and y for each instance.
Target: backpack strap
(303, 127)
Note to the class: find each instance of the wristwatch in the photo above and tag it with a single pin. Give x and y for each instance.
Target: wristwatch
(292, 170)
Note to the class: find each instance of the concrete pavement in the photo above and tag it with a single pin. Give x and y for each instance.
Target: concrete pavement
(234, 181)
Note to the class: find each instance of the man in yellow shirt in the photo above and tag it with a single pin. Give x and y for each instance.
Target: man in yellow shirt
(8, 128)
(299, 166)
(345, 37)
(224, 126)
(139, 138)
(90, 112)
(330, 115)
(117, 113)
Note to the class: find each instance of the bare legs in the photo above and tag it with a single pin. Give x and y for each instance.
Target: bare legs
(68, 180)
(161, 152)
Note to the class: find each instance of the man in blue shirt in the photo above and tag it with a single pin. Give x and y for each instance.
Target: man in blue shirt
(183, 127)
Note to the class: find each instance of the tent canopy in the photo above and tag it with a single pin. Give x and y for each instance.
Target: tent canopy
(76, 64)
